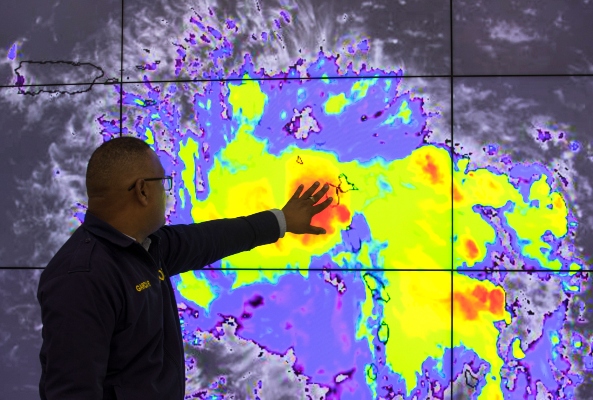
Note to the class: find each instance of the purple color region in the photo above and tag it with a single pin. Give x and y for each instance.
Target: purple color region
(430, 384)
(306, 314)
(467, 358)
(365, 129)
(523, 176)
(12, 52)
(358, 232)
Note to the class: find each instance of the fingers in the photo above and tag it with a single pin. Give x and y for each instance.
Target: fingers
(309, 192)
(316, 230)
(322, 206)
(297, 193)
(319, 195)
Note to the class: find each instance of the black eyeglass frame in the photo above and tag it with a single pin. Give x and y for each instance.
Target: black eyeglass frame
(168, 178)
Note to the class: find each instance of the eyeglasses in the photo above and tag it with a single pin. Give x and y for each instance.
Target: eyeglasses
(167, 182)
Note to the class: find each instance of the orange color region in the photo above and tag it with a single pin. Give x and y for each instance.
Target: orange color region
(472, 249)
(496, 302)
(334, 213)
(559, 203)
(480, 299)
(457, 196)
(430, 167)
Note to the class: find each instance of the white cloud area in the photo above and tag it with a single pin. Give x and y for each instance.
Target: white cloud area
(511, 32)
(242, 369)
(47, 200)
(415, 33)
(302, 37)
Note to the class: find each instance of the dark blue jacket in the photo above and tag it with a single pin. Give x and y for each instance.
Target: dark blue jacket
(110, 320)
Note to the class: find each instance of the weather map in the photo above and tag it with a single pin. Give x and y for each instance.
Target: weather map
(444, 273)
(365, 311)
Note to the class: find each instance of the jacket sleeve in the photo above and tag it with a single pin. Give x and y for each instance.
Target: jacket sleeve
(193, 246)
(78, 322)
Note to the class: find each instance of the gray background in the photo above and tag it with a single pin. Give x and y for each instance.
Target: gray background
(56, 130)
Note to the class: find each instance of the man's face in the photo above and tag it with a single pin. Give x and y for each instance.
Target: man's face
(159, 200)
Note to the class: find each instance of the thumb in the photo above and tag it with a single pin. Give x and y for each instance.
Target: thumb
(317, 230)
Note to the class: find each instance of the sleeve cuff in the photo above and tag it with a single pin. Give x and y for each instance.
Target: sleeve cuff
(281, 220)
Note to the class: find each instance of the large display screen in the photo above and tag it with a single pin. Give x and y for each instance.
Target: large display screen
(454, 136)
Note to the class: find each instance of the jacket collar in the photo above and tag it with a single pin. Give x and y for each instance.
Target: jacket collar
(100, 228)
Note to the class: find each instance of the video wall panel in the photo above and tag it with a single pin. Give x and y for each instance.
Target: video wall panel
(456, 260)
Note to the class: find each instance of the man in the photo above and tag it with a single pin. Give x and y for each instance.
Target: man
(110, 322)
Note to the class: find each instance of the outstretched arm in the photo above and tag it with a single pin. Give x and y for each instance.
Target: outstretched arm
(193, 246)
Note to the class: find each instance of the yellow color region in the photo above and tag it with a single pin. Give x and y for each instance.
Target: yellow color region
(149, 136)
(360, 88)
(197, 289)
(531, 222)
(247, 99)
(418, 317)
(404, 112)
(335, 104)
(189, 152)
(517, 351)
(473, 232)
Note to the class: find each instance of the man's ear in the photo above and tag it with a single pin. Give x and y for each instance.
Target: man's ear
(141, 189)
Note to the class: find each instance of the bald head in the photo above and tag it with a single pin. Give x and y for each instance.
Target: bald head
(113, 164)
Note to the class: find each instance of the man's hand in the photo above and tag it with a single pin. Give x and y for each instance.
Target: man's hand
(300, 209)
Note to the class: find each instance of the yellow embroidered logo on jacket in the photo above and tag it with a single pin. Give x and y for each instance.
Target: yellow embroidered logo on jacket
(141, 286)
(161, 274)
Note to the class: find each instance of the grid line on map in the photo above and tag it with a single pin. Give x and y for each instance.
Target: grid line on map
(588, 75)
(471, 271)
(121, 73)
(452, 152)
